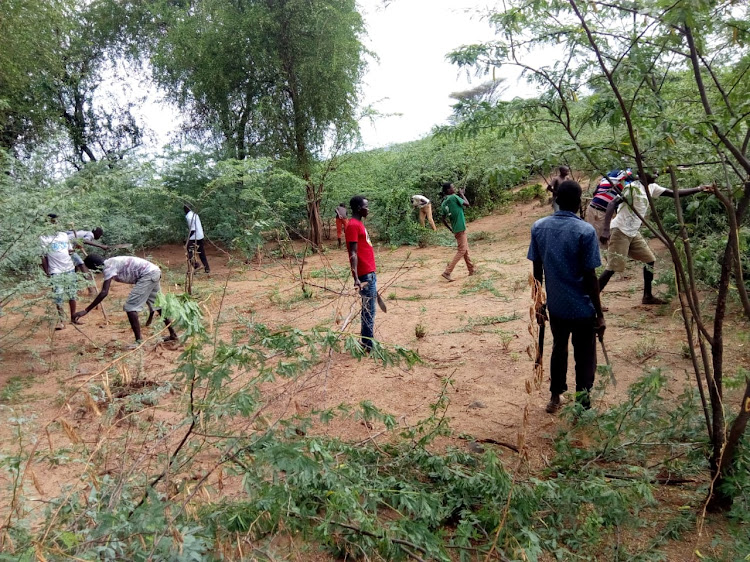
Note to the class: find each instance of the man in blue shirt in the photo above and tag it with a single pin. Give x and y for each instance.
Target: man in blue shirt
(565, 249)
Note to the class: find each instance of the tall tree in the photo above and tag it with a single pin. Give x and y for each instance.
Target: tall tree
(52, 59)
(274, 78)
(97, 125)
(316, 47)
(671, 79)
(29, 63)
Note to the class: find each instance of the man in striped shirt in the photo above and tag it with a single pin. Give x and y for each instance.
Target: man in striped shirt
(609, 187)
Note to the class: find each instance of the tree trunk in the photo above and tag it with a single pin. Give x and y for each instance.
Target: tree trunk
(313, 217)
(720, 499)
(717, 353)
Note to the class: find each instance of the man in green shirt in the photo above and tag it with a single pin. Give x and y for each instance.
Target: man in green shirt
(453, 209)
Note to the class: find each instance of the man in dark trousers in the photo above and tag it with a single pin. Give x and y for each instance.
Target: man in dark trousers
(195, 239)
(143, 275)
(362, 261)
(564, 248)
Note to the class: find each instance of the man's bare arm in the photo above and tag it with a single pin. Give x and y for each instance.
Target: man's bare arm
(353, 262)
(539, 272)
(462, 193)
(686, 192)
(99, 298)
(96, 244)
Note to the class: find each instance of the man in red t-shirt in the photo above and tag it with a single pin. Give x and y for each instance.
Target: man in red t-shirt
(362, 261)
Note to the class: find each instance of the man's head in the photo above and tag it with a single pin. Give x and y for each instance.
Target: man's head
(98, 232)
(569, 196)
(94, 262)
(186, 209)
(359, 205)
(563, 171)
(448, 188)
(651, 176)
(52, 218)
(342, 205)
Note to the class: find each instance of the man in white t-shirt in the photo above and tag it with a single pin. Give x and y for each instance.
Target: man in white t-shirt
(88, 237)
(58, 265)
(144, 275)
(195, 239)
(425, 209)
(623, 234)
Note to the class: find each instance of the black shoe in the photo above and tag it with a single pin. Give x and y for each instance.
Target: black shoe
(208, 270)
(651, 299)
(553, 405)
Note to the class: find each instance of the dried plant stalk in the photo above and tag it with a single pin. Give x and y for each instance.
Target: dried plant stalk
(70, 431)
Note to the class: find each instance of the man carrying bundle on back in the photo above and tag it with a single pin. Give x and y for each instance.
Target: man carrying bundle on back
(341, 221)
(195, 239)
(453, 211)
(562, 175)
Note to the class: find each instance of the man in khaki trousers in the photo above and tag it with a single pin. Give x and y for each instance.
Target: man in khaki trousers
(453, 210)
(425, 209)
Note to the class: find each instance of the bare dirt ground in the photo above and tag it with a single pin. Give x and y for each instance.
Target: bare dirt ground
(474, 330)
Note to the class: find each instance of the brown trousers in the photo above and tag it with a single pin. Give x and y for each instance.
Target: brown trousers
(462, 241)
(426, 212)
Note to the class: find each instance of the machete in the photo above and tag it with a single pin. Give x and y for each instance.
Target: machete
(540, 346)
(381, 302)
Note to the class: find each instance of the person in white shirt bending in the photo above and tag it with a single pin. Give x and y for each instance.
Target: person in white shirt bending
(425, 209)
(58, 265)
(625, 240)
(145, 277)
(195, 239)
(89, 237)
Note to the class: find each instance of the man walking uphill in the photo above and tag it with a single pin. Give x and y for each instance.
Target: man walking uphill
(453, 209)
(565, 250)
(625, 240)
(362, 261)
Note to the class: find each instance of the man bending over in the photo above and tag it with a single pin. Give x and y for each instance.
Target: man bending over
(145, 277)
